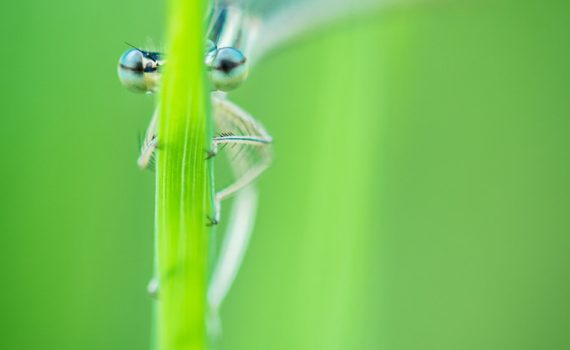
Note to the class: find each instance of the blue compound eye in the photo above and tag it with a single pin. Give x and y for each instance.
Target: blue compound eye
(131, 70)
(228, 69)
(139, 70)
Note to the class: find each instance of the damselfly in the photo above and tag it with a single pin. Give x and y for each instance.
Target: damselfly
(244, 139)
(228, 53)
(226, 46)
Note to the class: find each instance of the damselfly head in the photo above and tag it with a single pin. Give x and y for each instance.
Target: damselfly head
(139, 70)
(228, 69)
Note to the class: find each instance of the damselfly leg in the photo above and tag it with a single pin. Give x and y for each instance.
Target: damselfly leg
(149, 143)
(245, 140)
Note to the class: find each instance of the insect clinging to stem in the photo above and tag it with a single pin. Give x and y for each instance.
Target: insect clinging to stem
(227, 65)
(243, 139)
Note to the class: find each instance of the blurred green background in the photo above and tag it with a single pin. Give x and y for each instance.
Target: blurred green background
(420, 198)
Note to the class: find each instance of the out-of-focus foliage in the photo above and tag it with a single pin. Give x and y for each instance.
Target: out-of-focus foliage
(419, 199)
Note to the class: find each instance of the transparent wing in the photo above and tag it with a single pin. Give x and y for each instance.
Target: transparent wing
(274, 23)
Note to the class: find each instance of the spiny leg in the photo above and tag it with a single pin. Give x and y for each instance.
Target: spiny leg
(234, 122)
(148, 148)
(245, 179)
(248, 146)
(149, 143)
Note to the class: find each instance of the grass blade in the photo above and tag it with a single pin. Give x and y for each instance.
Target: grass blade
(183, 197)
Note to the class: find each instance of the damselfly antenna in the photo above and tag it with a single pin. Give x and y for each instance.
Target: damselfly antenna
(133, 46)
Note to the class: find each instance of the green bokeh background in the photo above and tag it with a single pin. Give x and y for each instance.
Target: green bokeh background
(420, 198)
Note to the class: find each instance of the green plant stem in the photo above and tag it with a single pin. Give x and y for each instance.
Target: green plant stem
(183, 197)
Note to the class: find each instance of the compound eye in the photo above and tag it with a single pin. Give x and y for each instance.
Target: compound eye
(228, 69)
(131, 70)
